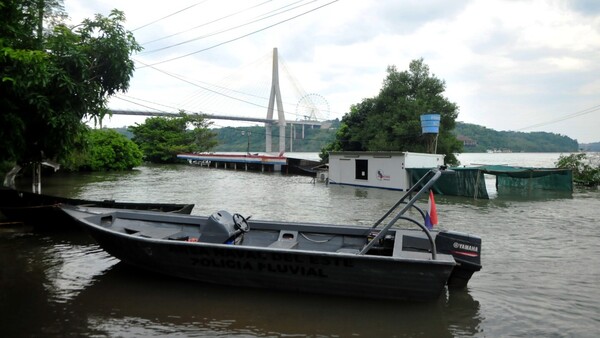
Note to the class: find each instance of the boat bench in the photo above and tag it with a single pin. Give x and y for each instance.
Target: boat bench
(399, 252)
(286, 240)
(348, 250)
(150, 232)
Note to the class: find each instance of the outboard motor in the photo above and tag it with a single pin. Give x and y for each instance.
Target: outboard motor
(220, 228)
(466, 250)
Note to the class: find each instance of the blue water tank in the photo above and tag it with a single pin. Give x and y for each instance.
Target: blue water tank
(430, 123)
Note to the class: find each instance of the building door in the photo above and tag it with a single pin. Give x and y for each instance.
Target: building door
(362, 169)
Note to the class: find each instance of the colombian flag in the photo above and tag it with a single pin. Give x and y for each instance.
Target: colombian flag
(431, 218)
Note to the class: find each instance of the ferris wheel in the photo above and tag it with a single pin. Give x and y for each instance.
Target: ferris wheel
(312, 107)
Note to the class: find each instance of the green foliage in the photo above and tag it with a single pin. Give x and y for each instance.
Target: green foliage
(124, 131)
(585, 171)
(514, 141)
(110, 150)
(50, 81)
(103, 150)
(162, 138)
(391, 120)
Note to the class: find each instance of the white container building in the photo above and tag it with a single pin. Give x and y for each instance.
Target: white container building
(387, 170)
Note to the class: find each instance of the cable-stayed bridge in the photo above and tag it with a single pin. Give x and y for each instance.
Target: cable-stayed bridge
(215, 117)
(309, 111)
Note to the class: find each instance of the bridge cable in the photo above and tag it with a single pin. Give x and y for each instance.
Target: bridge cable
(197, 85)
(145, 106)
(181, 78)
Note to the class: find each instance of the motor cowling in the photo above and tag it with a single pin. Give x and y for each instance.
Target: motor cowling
(219, 228)
(466, 250)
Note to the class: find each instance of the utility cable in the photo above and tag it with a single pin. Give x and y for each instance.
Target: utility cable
(566, 117)
(240, 37)
(164, 17)
(216, 33)
(206, 24)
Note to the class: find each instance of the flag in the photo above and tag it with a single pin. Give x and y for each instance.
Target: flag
(431, 218)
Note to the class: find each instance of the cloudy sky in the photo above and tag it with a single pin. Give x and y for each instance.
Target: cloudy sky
(508, 64)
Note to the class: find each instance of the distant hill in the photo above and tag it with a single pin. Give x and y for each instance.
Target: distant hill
(308, 139)
(241, 139)
(477, 139)
(590, 146)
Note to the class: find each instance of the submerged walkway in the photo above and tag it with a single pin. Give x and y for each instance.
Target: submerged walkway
(252, 162)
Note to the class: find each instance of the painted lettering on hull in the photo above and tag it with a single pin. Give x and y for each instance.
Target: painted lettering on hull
(270, 267)
(291, 269)
(265, 262)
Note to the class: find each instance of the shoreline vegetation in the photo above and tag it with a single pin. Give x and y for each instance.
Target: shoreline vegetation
(475, 139)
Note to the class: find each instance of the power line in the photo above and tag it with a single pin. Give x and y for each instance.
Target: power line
(566, 117)
(205, 24)
(164, 17)
(239, 37)
(219, 32)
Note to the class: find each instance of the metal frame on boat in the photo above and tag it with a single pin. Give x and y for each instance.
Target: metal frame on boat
(345, 260)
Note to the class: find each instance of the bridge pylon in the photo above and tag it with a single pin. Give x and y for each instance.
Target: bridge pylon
(275, 97)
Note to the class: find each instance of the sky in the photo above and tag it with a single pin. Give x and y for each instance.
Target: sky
(515, 65)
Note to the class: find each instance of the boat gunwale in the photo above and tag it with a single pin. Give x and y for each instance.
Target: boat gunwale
(442, 259)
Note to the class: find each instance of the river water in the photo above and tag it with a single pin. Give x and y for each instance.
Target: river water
(540, 276)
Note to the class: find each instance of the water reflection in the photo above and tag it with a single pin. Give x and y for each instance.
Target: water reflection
(71, 267)
(191, 308)
(39, 276)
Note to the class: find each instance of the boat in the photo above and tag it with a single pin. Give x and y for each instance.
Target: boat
(43, 212)
(388, 262)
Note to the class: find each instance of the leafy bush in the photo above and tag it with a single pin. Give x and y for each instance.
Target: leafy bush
(112, 151)
(103, 150)
(162, 138)
(586, 170)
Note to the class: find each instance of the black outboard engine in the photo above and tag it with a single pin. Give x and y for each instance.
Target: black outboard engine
(466, 250)
(220, 228)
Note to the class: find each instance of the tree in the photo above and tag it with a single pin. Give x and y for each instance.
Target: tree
(391, 120)
(106, 149)
(585, 171)
(162, 138)
(53, 77)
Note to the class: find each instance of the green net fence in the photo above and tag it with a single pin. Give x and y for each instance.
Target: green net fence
(470, 181)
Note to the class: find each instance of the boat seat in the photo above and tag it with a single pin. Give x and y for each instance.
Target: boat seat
(399, 252)
(348, 250)
(286, 240)
(158, 233)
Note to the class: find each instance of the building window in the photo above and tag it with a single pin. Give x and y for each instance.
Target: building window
(362, 169)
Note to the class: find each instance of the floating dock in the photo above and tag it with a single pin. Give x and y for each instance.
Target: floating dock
(252, 162)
